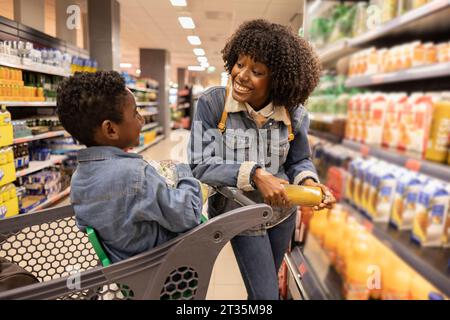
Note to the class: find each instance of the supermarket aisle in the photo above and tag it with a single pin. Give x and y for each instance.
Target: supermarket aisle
(226, 281)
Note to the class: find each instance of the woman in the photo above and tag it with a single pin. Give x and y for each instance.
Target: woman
(253, 135)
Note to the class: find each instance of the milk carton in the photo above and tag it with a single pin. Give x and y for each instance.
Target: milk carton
(431, 214)
(405, 200)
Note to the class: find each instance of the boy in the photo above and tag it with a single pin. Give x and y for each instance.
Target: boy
(118, 193)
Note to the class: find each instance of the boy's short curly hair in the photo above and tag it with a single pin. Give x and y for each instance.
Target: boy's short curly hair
(294, 66)
(85, 100)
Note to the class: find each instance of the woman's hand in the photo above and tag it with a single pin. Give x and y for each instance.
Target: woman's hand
(271, 188)
(329, 200)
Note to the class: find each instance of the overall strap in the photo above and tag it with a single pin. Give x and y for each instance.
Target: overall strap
(223, 119)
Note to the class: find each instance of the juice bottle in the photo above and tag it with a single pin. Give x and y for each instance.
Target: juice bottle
(6, 116)
(357, 268)
(336, 224)
(318, 224)
(420, 288)
(437, 147)
(304, 196)
(349, 228)
(398, 281)
(9, 155)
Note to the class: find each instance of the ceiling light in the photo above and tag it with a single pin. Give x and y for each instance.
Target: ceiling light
(126, 65)
(202, 59)
(194, 40)
(196, 68)
(178, 3)
(186, 22)
(199, 52)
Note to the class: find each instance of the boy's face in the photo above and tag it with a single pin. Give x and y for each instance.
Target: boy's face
(130, 127)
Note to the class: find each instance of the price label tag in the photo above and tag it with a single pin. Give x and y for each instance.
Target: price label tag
(302, 269)
(413, 165)
(368, 225)
(364, 150)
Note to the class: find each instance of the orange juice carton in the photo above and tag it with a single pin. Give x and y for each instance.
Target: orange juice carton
(350, 179)
(438, 138)
(446, 234)
(358, 112)
(419, 122)
(431, 214)
(418, 54)
(364, 118)
(391, 133)
(351, 118)
(405, 200)
(385, 182)
(368, 175)
(361, 170)
(376, 119)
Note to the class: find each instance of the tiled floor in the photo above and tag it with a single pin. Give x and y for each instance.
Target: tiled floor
(226, 281)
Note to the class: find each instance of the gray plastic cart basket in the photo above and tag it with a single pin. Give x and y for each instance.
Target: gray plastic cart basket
(49, 244)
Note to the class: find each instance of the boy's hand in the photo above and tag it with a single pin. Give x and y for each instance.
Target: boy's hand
(329, 200)
(271, 188)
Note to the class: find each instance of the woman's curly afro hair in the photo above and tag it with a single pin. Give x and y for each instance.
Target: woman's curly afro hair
(85, 100)
(293, 64)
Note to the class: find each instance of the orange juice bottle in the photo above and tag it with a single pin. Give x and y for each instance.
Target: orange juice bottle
(349, 229)
(439, 132)
(336, 224)
(398, 281)
(420, 288)
(357, 276)
(318, 224)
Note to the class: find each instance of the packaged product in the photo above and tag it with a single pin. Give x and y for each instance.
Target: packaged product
(349, 229)
(405, 200)
(384, 182)
(391, 133)
(318, 224)
(437, 147)
(357, 264)
(398, 281)
(376, 119)
(304, 196)
(420, 288)
(350, 179)
(368, 175)
(361, 170)
(431, 214)
(336, 223)
(414, 123)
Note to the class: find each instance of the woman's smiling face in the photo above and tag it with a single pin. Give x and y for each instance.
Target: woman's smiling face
(251, 82)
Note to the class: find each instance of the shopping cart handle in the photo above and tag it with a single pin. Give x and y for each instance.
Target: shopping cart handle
(235, 195)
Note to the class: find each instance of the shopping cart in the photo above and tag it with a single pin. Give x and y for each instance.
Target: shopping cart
(49, 244)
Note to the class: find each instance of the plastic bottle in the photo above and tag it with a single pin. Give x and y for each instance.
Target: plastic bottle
(318, 224)
(6, 116)
(335, 228)
(303, 195)
(356, 286)
(439, 132)
(349, 229)
(9, 155)
(420, 288)
(398, 281)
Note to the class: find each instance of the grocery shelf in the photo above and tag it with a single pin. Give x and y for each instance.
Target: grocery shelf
(146, 146)
(51, 134)
(308, 281)
(133, 87)
(325, 117)
(404, 159)
(417, 73)
(427, 18)
(435, 12)
(431, 263)
(40, 68)
(325, 135)
(52, 200)
(147, 104)
(149, 112)
(28, 104)
(39, 165)
(149, 126)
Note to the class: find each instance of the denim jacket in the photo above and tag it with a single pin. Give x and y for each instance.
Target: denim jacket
(129, 204)
(230, 159)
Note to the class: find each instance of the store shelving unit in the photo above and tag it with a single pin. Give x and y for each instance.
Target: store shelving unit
(417, 73)
(146, 146)
(432, 263)
(43, 104)
(410, 161)
(39, 165)
(324, 117)
(133, 87)
(40, 68)
(48, 135)
(432, 16)
(52, 200)
(147, 104)
(325, 135)
(149, 126)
